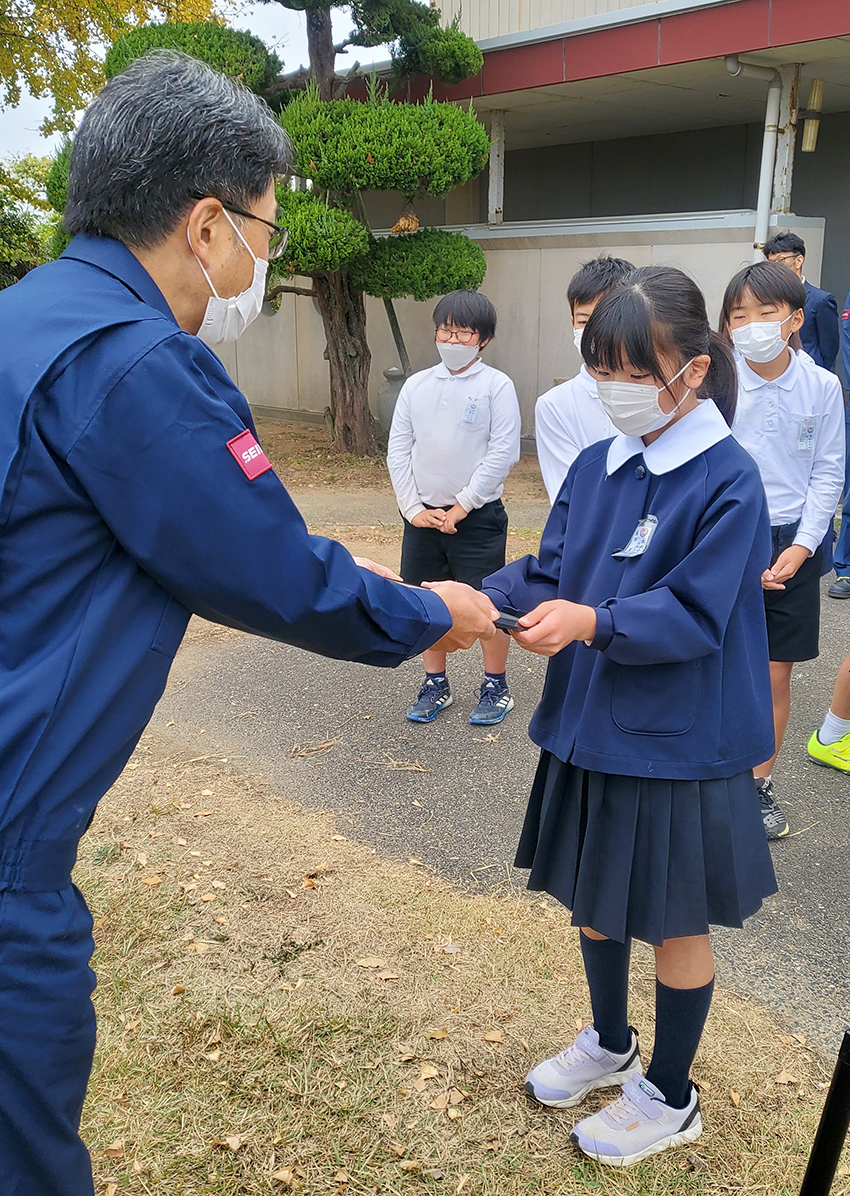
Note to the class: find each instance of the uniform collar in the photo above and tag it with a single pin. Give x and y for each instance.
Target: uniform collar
(113, 257)
(588, 382)
(690, 436)
(440, 370)
(750, 380)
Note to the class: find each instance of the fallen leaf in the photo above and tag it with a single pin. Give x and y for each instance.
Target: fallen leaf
(371, 961)
(493, 1036)
(138, 1167)
(428, 1071)
(390, 1120)
(440, 1101)
(180, 842)
(579, 1023)
(341, 1177)
(131, 1026)
(413, 860)
(407, 1056)
(309, 883)
(437, 1035)
(151, 880)
(213, 1056)
(387, 975)
(142, 859)
(222, 921)
(524, 1045)
(292, 896)
(116, 1150)
(206, 793)
(735, 1097)
(456, 1096)
(219, 884)
(785, 1078)
(177, 990)
(399, 1149)
(454, 1114)
(452, 949)
(202, 814)
(233, 1141)
(208, 897)
(110, 1189)
(419, 1085)
(338, 838)
(286, 1176)
(410, 1164)
(434, 1173)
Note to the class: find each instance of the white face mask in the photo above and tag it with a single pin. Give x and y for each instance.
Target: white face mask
(761, 342)
(633, 407)
(226, 319)
(578, 333)
(455, 357)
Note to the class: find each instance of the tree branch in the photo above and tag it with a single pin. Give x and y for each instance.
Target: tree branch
(275, 291)
(341, 47)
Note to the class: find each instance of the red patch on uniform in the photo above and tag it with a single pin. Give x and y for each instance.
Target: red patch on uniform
(252, 460)
(845, 315)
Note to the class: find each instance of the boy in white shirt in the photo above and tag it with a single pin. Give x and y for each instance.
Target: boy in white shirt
(570, 417)
(455, 436)
(790, 418)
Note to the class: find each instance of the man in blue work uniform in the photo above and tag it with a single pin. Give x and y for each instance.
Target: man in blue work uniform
(133, 493)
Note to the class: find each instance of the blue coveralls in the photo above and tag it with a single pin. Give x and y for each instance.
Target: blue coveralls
(132, 493)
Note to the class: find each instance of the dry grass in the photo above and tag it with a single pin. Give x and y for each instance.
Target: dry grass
(304, 456)
(240, 1039)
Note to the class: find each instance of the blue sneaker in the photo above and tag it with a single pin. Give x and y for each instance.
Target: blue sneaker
(493, 704)
(434, 696)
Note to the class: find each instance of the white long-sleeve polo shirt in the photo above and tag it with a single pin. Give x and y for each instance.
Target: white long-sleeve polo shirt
(454, 438)
(793, 428)
(568, 418)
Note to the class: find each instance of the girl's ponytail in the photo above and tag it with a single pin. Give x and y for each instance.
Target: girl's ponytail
(721, 381)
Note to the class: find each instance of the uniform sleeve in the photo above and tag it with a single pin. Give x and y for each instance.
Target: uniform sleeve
(826, 480)
(229, 544)
(845, 340)
(685, 614)
(556, 446)
(400, 457)
(827, 324)
(502, 450)
(524, 584)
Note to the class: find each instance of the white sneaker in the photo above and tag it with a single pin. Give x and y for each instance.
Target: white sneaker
(636, 1125)
(564, 1079)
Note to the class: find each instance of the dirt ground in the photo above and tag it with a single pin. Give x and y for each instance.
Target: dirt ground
(282, 1009)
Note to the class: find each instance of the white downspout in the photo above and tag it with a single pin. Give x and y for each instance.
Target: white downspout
(768, 149)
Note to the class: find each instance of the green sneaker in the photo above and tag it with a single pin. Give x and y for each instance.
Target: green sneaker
(830, 755)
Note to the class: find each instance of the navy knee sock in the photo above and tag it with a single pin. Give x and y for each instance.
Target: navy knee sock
(606, 964)
(680, 1015)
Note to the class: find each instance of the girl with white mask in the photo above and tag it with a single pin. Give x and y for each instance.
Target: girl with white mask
(643, 818)
(791, 420)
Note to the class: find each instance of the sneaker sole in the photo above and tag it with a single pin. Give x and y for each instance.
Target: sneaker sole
(491, 722)
(415, 718)
(613, 1080)
(826, 764)
(680, 1139)
(774, 835)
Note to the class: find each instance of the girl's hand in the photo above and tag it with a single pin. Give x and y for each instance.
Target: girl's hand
(553, 625)
(784, 567)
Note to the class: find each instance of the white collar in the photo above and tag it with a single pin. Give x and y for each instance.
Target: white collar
(442, 372)
(588, 382)
(787, 380)
(691, 435)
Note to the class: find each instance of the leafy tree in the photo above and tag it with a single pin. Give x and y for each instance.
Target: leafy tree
(24, 227)
(343, 149)
(52, 47)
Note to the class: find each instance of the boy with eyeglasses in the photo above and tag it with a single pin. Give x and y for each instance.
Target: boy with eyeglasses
(455, 436)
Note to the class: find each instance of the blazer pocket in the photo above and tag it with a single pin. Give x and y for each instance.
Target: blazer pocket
(171, 628)
(656, 699)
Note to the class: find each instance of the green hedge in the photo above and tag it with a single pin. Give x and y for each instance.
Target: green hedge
(236, 54)
(419, 265)
(345, 145)
(321, 236)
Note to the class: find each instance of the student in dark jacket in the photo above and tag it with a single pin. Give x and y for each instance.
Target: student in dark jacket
(819, 334)
(643, 818)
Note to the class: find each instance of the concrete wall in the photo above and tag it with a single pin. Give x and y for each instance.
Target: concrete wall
(279, 363)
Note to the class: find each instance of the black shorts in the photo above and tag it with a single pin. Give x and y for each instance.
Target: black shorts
(476, 549)
(793, 614)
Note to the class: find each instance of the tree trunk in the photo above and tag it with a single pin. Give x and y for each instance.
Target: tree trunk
(344, 317)
(320, 43)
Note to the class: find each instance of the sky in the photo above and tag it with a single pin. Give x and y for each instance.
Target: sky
(280, 28)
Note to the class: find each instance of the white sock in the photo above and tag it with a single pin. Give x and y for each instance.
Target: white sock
(833, 729)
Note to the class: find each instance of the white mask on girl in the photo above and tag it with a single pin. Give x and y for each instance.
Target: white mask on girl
(578, 333)
(226, 319)
(761, 341)
(456, 357)
(633, 407)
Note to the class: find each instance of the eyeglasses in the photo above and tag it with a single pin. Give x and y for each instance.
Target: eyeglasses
(279, 238)
(464, 336)
(784, 259)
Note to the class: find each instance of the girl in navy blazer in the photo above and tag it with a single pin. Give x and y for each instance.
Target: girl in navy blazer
(643, 818)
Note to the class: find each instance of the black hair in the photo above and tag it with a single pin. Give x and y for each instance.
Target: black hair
(767, 282)
(658, 311)
(467, 309)
(785, 242)
(596, 278)
(167, 130)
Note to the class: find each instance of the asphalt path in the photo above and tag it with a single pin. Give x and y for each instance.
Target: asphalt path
(333, 736)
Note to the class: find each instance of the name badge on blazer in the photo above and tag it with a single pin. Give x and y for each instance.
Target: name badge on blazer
(640, 539)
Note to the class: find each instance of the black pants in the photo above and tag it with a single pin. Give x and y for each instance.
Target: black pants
(793, 614)
(475, 550)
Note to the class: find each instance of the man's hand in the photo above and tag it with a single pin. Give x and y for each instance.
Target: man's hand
(553, 625)
(473, 615)
(453, 518)
(784, 567)
(374, 567)
(430, 519)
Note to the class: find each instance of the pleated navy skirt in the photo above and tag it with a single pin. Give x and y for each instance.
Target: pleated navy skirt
(642, 858)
